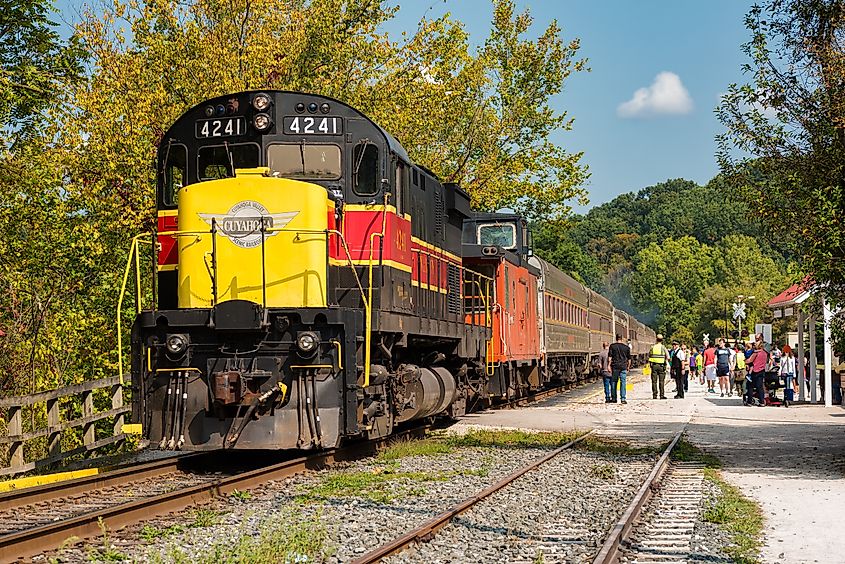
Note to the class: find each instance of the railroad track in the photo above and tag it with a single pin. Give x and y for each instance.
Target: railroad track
(84, 519)
(554, 533)
(41, 518)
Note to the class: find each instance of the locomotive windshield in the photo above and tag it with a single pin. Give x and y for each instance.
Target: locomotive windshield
(218, 161)
(304, 161)
(498, 234)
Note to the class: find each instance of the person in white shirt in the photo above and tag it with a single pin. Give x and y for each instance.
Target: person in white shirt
(787, 372)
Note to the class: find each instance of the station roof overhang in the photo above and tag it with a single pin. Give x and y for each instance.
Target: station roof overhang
(795, 295)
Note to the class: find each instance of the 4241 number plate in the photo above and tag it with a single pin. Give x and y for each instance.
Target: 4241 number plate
(221, 127)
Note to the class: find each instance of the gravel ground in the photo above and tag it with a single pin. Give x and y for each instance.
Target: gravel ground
(562, 510)
(536, 513)
(354, 524)
(708, 539)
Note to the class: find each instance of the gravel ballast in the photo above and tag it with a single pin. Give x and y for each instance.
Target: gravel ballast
(562, 508)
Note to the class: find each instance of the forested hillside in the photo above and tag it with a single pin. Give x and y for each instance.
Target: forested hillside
(676, 254)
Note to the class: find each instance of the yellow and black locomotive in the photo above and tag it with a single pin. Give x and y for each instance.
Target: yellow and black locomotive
(313, 284)
(309, 286)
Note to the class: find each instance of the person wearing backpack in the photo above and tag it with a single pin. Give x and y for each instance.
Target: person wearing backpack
(723, 367)
(658, 357)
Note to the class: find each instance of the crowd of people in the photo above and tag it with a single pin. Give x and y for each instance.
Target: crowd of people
(738, 370)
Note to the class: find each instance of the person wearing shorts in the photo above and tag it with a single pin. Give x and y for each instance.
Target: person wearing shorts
(710, 367)
(739, 371)
(723, 368)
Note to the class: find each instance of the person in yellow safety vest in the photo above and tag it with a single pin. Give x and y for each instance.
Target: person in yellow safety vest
(658, 358)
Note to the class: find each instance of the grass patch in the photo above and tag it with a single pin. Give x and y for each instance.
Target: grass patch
(380, 485)
(603, 471)
(618, 447)
(204, 517)
(687, 452)
(107, 551)
(510, 439)
(424, 447)
(151, 532)
(739, 516)
(240, 495)
(289, 537)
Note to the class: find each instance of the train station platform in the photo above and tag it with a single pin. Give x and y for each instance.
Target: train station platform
(789, 460)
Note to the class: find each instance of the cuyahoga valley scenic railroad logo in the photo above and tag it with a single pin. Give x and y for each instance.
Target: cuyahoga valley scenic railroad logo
(242, 223)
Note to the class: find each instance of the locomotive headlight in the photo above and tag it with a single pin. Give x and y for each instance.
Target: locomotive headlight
(261, 102)
(307, 342)
(261, 122)
(176, 344)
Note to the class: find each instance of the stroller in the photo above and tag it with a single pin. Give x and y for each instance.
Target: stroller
(772, 385)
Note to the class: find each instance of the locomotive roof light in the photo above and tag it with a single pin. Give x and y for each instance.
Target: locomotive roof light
(300, 107)
(312, 107)
(307, 343)
(325, 108)
(176, 345)
(261, 102)
(262, 122)
(209, 111)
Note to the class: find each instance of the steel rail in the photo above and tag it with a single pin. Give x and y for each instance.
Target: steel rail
(22, 544)
(428, 529)
(609, 552)
(132, 473)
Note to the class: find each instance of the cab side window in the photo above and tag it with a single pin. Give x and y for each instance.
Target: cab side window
(365, 163)
(175, 173)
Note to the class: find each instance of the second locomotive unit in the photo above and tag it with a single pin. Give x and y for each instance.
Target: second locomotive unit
(314, 284)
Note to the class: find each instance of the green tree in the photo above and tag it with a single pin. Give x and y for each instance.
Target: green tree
(668, 280)
(784, 148)
(34, 64)
(552, 243)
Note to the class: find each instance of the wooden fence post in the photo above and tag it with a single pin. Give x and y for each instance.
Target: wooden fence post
(54, 440)
(117, 402)
(89, 430)
(15, 427)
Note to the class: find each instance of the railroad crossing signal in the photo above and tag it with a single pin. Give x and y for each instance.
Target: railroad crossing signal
(739, 310)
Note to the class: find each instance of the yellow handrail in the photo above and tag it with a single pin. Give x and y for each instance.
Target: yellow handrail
(368, 306)
(133, 254)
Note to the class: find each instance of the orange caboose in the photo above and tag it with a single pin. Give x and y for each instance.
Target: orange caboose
(498, 246)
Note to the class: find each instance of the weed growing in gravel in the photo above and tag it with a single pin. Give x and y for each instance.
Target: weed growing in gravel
(738, 515)
(616, 447)
(540, 558)
(151, 532)
(107, 552)
(204, 517)
(410, 447)
(687, 452)
(603, 471)
(287, 537)
(241, 495)
(510, 439)
(383, 484)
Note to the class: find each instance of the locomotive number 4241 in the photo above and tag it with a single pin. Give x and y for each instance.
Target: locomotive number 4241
(223, 127)
(313, 125)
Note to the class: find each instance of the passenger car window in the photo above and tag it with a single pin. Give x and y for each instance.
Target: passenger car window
(218, 161)
(305, 161)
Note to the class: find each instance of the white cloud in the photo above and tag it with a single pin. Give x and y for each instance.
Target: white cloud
(666, 96)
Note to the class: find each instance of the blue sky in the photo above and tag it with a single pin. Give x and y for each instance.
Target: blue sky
(693, 45)
(628, 43)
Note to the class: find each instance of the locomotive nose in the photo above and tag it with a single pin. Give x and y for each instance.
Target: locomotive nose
(235, 228)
